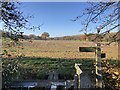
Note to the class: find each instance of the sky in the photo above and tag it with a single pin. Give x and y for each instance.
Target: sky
(55, 17)
(66, 0)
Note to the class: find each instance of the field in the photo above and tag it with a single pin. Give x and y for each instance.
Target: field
(33, 60)
(46, 55)
(39, 68)
(68, 49)
(49, 48)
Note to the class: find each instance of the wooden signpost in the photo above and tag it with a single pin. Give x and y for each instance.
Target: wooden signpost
(78, 72)
(98, 66)
(98, 56)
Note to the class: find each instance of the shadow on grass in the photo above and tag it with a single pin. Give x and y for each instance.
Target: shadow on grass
(33, 68)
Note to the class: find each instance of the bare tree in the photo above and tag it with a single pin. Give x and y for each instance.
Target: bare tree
(104, 16)
(32, 36)
(14, 20)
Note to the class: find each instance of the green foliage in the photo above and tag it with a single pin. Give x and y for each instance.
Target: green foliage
(38, 68)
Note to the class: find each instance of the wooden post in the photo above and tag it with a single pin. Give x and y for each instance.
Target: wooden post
(0, 62)
(98, 66)
(119, 50)
(0, 74)
(78, 72)
(118, 37)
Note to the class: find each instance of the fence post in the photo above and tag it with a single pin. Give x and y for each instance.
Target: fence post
(78, 72)
(98, 66)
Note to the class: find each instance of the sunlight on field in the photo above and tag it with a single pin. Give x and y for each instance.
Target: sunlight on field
(60, 49)
(52, 49)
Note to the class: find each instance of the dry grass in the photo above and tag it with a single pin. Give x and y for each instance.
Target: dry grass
(54, 49)
(61, 49)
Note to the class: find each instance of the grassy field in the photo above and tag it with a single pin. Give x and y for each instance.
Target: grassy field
(34, 60)
(68, 49)
(51, 49)
(39, 68)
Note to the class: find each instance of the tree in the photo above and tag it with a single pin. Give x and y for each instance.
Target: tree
(32, 36)
(45, 35)
(26, 37)
(14, 20)
(103, 15)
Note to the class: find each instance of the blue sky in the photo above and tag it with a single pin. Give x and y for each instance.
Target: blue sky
(55, 17)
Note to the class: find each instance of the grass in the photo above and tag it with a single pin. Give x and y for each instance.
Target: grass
(59, 56)
(41, 57)
(38, 68)
(57, 49)
(49, 49)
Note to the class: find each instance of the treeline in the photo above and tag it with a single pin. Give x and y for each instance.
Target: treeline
(88, 37)
(20, 36)
(45, 36)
